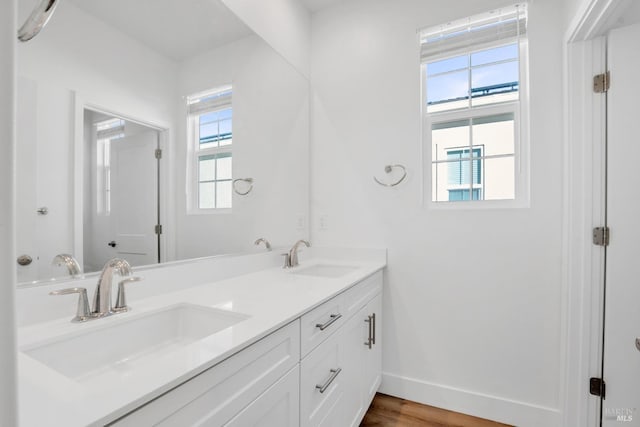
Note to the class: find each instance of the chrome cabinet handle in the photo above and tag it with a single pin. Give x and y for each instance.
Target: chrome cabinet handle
(370, 338)
(329, 322)
(82, 313)
(334, 373)
(373, 338)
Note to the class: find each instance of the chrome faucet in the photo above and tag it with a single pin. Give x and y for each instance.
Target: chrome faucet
(102, 297)
(267, 245)
(70, 262)
(291, 257)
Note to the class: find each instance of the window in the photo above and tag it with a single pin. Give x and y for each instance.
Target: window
(474, 104)
(210, 117)
(106, 132)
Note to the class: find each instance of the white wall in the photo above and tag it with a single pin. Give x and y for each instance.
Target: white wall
(8, 394)
(472, 297)
(270, 145)
(284, 24)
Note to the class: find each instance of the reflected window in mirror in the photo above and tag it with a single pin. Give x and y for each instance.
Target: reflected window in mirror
(210, 123)
(106, 131)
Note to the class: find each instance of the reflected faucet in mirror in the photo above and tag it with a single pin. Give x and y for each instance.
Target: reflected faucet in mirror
(70, 262)
(267, 245)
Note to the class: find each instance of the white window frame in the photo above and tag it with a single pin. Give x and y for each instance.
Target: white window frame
(520, 110)
(194, 152)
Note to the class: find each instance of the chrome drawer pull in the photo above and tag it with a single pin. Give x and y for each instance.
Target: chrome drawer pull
(334, 373)
(329, 322)
(370, 338)
(373, 340)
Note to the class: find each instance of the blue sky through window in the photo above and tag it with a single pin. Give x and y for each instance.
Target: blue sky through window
(490, 71)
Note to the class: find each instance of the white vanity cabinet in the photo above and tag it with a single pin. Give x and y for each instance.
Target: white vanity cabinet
(322, 369)
(339, 377)
(219, 394)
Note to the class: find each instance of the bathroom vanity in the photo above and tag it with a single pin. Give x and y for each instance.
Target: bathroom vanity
(275, 347)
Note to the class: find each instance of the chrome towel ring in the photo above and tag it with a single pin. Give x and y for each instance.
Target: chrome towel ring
(388, 169)
(37, 20)
(246, 180)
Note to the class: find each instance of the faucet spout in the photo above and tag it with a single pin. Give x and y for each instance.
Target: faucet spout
(70, 262)
(102, 296)
(293, 253)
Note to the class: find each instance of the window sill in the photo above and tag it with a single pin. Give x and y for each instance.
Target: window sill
(471, 205)
(222, 211)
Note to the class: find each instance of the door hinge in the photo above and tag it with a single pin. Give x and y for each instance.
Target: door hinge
(159, 229)
(158, 153)
(601, 236)
(602, 82)
(597, 387)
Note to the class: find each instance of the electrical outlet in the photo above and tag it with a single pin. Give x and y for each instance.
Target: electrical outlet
(301, 222)
(323, 222)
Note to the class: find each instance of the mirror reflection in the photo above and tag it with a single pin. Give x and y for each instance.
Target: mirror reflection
(157, 135)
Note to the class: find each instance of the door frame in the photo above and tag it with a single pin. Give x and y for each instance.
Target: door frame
(584, 187)
(165, 196)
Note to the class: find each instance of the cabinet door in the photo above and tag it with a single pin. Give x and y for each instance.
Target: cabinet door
(354, 335)
(279, 406)
(322, 384)
(373, 356)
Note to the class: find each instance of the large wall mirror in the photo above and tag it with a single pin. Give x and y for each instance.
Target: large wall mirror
(159, 134)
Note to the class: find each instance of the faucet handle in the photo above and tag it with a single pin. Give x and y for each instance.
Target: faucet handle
(287, 260)
(121, 301)
(82, 313)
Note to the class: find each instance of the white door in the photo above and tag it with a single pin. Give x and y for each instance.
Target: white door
(621, 405)
(134, 198)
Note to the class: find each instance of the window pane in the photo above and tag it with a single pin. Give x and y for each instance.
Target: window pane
(224, 195)
(439, 182)
(499, 178)
(225, 132)
(448, 91)
(449, 136)
(461, 172)
(496, 134)
(224, 166)
(494, 83)
(495, 54)
(207, 168)
(207, 195)
(446, 65)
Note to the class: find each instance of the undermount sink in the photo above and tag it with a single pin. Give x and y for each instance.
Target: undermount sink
(325, 270)
(125, 345)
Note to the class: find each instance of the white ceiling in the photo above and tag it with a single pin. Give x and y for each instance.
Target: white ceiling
(177, 29)
(316, 5)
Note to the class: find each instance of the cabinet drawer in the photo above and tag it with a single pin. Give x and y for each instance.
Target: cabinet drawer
(279, 406)
(318, 324)
(359, 295)
(218, 394)
(320, 369)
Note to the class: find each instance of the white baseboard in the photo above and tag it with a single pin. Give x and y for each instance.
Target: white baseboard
(494, 408)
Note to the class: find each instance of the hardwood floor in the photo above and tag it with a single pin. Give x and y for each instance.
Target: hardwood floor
(388, 411)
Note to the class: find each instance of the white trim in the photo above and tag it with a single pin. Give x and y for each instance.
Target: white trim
(584, 187)
(520, 109)
(8, 352)
(481, 405)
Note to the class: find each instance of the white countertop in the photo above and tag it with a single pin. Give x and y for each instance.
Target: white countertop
(272, 298)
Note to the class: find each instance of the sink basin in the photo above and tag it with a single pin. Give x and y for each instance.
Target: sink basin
(123, 346)
(325, 270)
